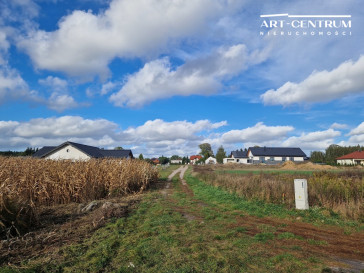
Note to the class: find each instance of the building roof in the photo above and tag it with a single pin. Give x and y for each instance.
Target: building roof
(45, 150)
(239, 154)
(354, 155)
(117, 153)
(277, 151)
(193, 157)
(91, 151)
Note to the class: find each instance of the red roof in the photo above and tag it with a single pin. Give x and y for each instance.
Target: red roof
(354, 155)
(193, 157)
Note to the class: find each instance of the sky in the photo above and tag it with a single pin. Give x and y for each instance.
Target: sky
(161, 77)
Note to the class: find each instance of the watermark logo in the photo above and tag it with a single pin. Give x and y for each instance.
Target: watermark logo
(285, 24)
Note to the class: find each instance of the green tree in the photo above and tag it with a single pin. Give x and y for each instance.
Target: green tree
(119, 148)
(185, 160)
(29, 151)
(141, 157)
(332, 152)
(163, 160)
(175, 157)
(206, 150)
(318, 157)
(220, 155)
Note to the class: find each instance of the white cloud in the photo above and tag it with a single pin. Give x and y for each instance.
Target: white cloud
(55, 83)
(338, 126)
(85, 43)
(258, 134)
(7, 127)
(346, 79)
(107, 88)
(18, 11)
(12, 85)
(159, 130)
(61, 102)
(4, 45)
(358, 130)
(318, 140)
(202, 76)
(65, 127)
(356, 136)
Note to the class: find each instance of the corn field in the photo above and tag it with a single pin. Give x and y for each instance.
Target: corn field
(26, 183)
(340, 192)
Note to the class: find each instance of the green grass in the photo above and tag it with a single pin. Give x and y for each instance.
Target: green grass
(159, 236)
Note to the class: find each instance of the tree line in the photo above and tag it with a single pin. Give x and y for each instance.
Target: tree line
(27, 152)
(332, 152)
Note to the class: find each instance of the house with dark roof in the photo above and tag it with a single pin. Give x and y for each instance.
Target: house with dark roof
(355, 158)
(274, 155)
(237, 157)
(75, 151)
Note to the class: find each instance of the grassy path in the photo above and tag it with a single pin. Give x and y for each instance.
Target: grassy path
(193, 227)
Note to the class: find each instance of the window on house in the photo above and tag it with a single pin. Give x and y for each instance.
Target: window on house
(272, 158)
(291, 158)
(284, 158)
(261, 159)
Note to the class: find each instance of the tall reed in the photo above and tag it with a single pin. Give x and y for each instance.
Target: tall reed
(341, 192)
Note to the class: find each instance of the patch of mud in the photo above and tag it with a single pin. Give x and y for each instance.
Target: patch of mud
(322, 241)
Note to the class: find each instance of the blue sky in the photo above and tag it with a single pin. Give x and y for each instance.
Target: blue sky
(162, 76)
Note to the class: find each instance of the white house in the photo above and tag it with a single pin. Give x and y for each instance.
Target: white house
(211, 160)
(176, 161)
(240, 157)
(76, 151)
(194, 159)
(274, 155)
(354, 158)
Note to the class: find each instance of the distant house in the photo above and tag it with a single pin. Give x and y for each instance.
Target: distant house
(194, 159)
(75, 151)
(155, 160)
(237, 156)
(211, 160)
(274, 155)
(176, 161)
(354, 158)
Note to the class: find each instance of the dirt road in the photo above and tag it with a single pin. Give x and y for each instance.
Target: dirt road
(180, 170)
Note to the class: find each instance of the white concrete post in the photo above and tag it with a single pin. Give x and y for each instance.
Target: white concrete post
(300, 191)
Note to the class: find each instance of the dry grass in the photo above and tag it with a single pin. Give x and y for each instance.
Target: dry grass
(26, 183)
(341, 192)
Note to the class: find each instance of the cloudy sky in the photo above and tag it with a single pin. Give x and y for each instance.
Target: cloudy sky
(162, 76)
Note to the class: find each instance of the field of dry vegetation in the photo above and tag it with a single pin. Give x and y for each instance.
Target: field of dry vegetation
(27, 183)
(339, 191)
